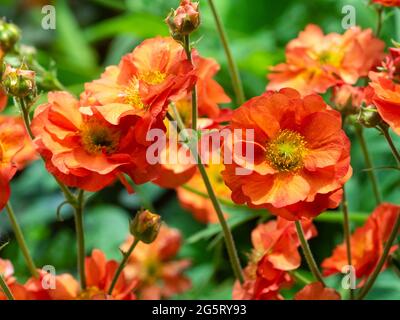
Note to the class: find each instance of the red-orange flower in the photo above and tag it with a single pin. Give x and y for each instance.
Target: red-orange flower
(16, 150)
(201, 207)
(7, 271)
(143, 83)
(316, 291)
(3, 99)
(275, 252)
(99, 273)
(210, 93)
(366, 243)
(86, 151)
(301, 155)
(153, 265)
(316, 62)
(348, 99)
(388, 3)
(387, 101)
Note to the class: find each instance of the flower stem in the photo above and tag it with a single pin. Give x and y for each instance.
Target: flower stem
(385, 130)
(379, 23)
(368, 163)
(80, 237)
(367, 287)
(5, 288)
(230, 244)
(21, 241)
(347, 234)
(195, 108)
(308, 254)
(233, 69)
(122, 265)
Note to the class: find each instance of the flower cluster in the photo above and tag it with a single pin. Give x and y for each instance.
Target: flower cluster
(150, 264)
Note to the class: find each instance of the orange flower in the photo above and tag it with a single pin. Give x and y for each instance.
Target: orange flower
(153, 265)
(366, 243)
(201, 207)
(316, 62)
(388, 3)
(3, 99)
(209, 92)
(275, 252)
(16, 150)
(18, 291)
(301, 155)
(317, 291)
(348, 99)
(84, 150)
(387, 101)
(99, 274)
(143, 83)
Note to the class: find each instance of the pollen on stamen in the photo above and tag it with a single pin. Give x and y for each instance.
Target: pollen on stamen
(132, 95)
(97, 138)
(153, 77)
(286, 152)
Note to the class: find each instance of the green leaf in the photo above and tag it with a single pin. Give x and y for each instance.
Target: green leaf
(70, 40)
(106, 228)
(140, 25)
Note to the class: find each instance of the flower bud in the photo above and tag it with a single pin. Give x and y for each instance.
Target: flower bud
(19, 82)
(184, 20)
(369, 117)
(145, 226)
(9, 35)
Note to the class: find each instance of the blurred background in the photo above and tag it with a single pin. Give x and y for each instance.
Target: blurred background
(92, 34)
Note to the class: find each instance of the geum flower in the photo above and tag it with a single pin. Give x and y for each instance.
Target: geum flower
(18, 290)
(317, 291)
(367, 243)
(143, 84)
(99, 273)
(159, 273)
(315, 62)
(86, 151)
(16, 151)
(275, 252)
(301, 155)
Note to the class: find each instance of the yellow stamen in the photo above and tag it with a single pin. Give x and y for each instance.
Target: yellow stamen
(132, 95)
(285, 153)
(97, 138)
(153, 77)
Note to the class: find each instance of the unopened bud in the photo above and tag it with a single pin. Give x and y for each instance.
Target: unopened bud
(19, 82)
(184, 20)
(9, 35)
(145, 226)
(369, 117)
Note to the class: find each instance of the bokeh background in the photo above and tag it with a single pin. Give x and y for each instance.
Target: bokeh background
(92, 34)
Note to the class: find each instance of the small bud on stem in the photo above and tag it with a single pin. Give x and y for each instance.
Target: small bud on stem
(184, 20)
(145, 226)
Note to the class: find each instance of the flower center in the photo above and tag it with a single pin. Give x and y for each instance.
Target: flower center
(153, 77)
(89, 293)
(285, 153)
(97, 138)
(132, 95)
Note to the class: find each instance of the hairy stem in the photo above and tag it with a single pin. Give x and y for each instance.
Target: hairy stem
(195, 109)
(347, 234)
(21, 241)
(386, 134)
(370, 282)
(233, 69)
(122, 265)
(5, 288)
(230, 244)
(368, 164)
(308, 254)
(80, 238)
